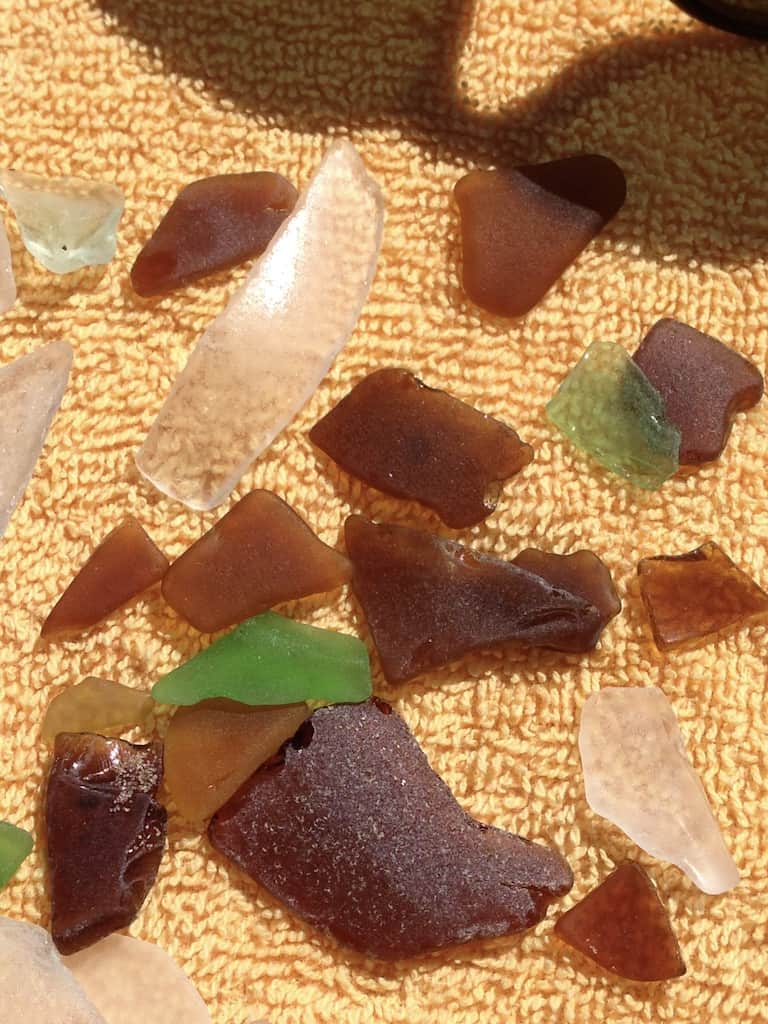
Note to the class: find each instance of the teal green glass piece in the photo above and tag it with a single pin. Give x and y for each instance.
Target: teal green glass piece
(15, 846)
(272, 660)
(608, 407)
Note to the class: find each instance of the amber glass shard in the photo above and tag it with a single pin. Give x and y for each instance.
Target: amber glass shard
(703, 384)
(415, 442)
(356, 834)
(259, 554)
(699, 597)
(96, 705)
(106, 835)
(623, 926)
(125, 564)
(211, 748)
(212, 224)
(581, 573)
(521, 229)
(428, 601)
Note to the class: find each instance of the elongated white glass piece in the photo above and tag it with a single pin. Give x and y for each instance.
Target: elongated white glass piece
(7, 281)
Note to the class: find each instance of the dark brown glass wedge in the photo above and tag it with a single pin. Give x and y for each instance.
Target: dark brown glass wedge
(415, 442)
(623, 926)
(213, 224)
(105, 834)
(703, 384)
(259, 554)
(356, 834)
(125, 564)
(699, 597)
(581, 573)
(429, 601)
(521, 229)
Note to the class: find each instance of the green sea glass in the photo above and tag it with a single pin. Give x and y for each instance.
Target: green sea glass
(608, 408)
(15, 846)
(272, 660)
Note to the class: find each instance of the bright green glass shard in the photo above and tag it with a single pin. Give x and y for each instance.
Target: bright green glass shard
(608, 407)
(272, 660)
(15, 846)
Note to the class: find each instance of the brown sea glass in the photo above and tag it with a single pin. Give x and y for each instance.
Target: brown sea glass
(521, 229)
(211, 748)
(105, 833)
(429, 601)
(354, 832)
(703, 384)
(125, 564)
(699, 597)
(213, 224)
(623, 926)
(415, 442)
(581, 573)
(259, 554)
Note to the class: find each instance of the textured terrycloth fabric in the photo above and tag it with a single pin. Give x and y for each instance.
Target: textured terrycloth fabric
(152, 94)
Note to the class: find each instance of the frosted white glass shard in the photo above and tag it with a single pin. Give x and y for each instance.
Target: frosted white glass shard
(7, 281)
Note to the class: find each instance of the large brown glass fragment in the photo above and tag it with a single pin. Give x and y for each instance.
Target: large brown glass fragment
(211, 749)
(703, 384)
(415, 442)
(623, 926)
(356, 834)
(105, 832)
(581, 573)
(428, 600)
(213, 224)
(699, 597)
(521, 229)
(125, 564)
(259, 554)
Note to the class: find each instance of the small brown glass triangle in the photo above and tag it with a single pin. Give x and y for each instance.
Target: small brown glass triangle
(125, 564)
(213, 224)
(699, 597)
(623, 926)
(258, 555)
(521, 229)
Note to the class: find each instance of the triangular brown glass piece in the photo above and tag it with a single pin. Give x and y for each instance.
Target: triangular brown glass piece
(521, 229)
(623, 926)
(213, 224)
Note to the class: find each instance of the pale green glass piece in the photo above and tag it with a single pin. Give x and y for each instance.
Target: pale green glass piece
(66, 223)
(15, 847)
(96, 705)
(608, 407)
(272, 660)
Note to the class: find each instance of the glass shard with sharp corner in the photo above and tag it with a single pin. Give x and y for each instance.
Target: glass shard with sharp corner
(637, 775)
(15, 846)
(262, 359)
(607, 407)
(96, 705)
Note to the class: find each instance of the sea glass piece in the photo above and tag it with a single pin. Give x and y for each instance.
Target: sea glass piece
(128, 980)
(264, 356)
(212, 224)
(521, 229)
(624, 927)
(106, 835)
(259, 554)
(124, 565)
(7, 280)
(356, 834)
(702, 383)
(213, 747)
(272, 660)
(31, 389)
(582, 573)
(66, 223)
(35, 986)
(415, 442)
(96, 705)
(429, 601)
(637, 775)
(607, 407)
(15, 846)
(699, 597)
